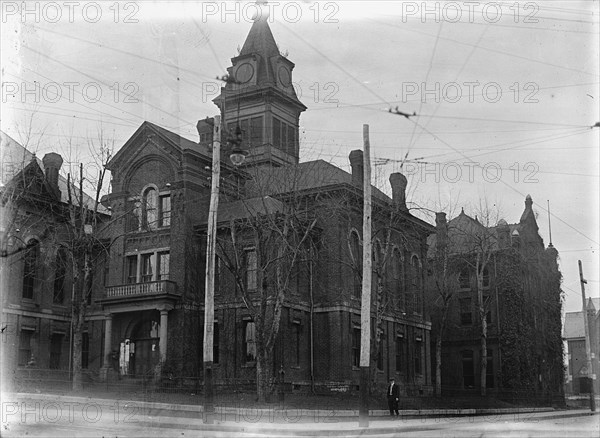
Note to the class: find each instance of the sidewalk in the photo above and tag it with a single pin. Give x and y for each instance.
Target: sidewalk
(290, 421)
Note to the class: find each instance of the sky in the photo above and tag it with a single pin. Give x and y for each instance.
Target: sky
(505, 94)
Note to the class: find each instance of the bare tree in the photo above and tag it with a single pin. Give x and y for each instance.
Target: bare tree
(475, 243)
(265, 241)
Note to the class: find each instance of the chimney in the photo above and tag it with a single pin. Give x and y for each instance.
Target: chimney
(441, 226)
(358, 167)
(503, 234)
(52, 163)
(398, 183)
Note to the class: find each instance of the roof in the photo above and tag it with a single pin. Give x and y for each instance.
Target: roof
(246, 208)
(19, 157)
(304, 176)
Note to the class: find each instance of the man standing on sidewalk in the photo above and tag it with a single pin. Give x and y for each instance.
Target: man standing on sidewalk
(393, 394)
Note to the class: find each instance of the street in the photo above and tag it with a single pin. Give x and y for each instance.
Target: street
(89, 420)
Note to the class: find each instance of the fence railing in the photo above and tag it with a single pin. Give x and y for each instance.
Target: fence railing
(163, 287)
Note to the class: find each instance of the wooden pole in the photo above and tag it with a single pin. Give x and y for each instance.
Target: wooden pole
(209, 293)
(588, 355)
(365, 312)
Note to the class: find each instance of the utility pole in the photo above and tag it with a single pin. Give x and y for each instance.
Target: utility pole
(365, 309)
(209, 290)
(587, 340)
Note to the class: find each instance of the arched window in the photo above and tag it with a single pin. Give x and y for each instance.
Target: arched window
(30, 262)
(397, 277)
(60, 275)
(150, 208)
(414, 296)
(356, 257)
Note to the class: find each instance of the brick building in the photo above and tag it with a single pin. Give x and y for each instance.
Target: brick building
(36, 276)
(151, 308)
(574, 335)
(522, 306)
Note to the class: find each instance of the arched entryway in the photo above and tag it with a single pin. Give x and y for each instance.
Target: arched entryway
(145, 335)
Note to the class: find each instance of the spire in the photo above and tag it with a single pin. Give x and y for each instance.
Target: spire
(528, 212)
(260, 40)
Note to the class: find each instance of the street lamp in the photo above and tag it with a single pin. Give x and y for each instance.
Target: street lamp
(237, 156)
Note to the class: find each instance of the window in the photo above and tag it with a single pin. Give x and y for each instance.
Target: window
(296, 343)
(380, 350)
(256, 131)
(284, 136)
(251, 269)
(165, 211)
(85, 350)
(399, 352)
(397, 272)
(216, 342)
(131, 269)
(147, 267)
(468, 371)
(356, 347)
(163, 266)
(25, 346)
(90, 287)
(413, 296)
(30, 261)
(250, 341)
(489, 370)
(465, 311)
(55, 350)
(59, 276)
(150, 209)
(486, 277)
(464, 280)
(418, 355)
(356, 258)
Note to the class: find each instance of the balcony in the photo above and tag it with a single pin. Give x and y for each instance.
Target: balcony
(141, 291)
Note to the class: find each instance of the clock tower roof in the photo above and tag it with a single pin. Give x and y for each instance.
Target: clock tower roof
(260, 40)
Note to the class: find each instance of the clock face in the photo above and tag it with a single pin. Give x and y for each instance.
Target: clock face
(284, 76)
(244, 73)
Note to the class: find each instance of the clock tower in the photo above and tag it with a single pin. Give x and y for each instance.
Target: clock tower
(260, 98)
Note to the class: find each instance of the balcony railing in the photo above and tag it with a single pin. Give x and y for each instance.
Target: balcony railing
(164, 287)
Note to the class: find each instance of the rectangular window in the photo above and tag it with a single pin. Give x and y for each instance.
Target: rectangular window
(131, 266)
(276, 133)
(55, 350)
(250, 341)
(356, 347)
(90, 287)
(85, 350)
(399, 353)
(465, 311)
(163, 265)
(165, 211)
(468, 371)
(25, 346)
(291, 140)
(256, 131)
(251, 269)
(418, 356)
(147, 267)
(216, 342)
(489, 371)
(296, 343)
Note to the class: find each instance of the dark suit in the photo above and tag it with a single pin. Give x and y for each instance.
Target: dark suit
(393, 394)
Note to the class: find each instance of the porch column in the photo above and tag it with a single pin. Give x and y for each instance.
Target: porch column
(107, 340)
(163, 334)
